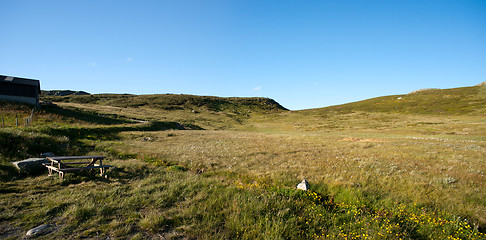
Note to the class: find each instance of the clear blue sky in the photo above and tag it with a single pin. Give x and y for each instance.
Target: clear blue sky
(304, 54)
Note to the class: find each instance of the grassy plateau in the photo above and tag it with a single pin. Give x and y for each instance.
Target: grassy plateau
(191, 167)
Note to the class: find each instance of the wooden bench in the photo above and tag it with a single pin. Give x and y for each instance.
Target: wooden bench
(66, 164)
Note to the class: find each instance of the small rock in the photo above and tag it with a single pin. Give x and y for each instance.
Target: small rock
(42, 229)
(304, 185)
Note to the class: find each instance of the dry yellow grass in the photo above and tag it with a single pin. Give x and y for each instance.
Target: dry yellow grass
(446, 172)
(436, 160)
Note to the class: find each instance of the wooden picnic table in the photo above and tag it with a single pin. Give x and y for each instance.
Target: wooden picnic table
(75, 163)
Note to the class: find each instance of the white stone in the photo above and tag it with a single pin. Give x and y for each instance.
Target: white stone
(304, 185)
(38, 230)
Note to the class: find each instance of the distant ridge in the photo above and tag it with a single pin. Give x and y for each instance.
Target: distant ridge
(454, 101)
(63, 93)
(427, 89)
(422, 90)
(195, 103)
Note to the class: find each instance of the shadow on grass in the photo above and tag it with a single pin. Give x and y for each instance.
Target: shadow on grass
(17, 145)
(120, 174)
(78, 177)
(7, 172)
(125, 175)
(90, 117)
(10, 173)
(109, 133)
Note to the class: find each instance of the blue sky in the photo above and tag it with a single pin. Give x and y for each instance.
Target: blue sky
(303, 54)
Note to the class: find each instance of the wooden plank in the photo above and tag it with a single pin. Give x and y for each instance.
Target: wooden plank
(69, 163)
(52, 160)
(83, 168)
(63, 167)
(74, 158)
(53, 168)
(78, 168)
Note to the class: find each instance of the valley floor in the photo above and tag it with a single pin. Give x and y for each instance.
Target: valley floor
(371, 175)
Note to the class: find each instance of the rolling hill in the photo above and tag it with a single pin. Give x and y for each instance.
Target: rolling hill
(175, 102)
(455, 101)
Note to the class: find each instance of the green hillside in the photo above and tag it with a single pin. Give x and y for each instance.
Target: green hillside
(175, 102)
(456, 101)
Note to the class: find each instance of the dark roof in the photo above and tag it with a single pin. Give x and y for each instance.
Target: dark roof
(21, 81)
(17, 80)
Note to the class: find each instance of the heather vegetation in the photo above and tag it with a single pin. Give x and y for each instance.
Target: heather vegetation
(456, 101)
(397, 167)
(176, 102)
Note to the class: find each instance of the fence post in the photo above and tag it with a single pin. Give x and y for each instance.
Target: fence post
(16, 121)
(31, 117)
(3, 122)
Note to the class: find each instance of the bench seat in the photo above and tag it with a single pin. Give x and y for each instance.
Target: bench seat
(60, 165)
(76, 169)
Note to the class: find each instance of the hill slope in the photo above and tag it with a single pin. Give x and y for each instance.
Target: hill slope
(455, 101)
(175, 102)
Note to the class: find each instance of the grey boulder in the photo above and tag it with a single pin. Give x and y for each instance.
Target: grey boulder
(31, 165)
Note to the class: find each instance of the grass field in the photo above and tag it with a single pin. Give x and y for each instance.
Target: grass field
(384, 168)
